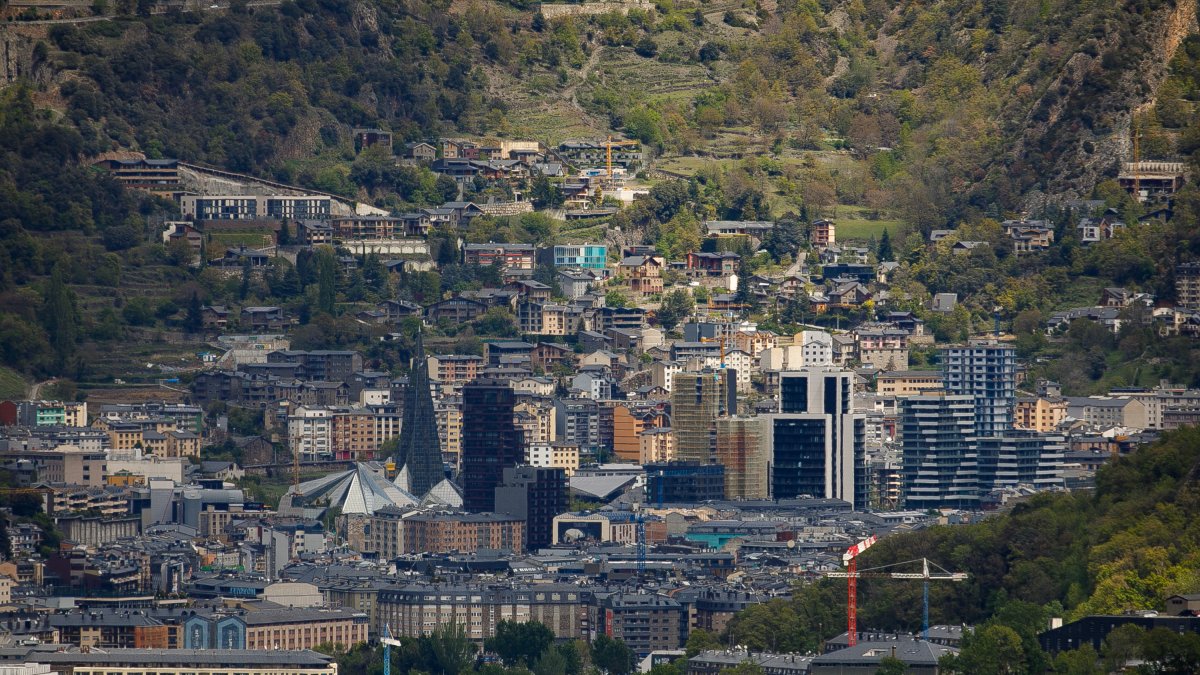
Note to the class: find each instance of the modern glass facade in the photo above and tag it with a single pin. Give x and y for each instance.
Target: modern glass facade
(585, 256)
(491, 441)
(817, 442)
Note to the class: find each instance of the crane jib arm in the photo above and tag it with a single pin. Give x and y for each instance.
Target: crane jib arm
(854, 551)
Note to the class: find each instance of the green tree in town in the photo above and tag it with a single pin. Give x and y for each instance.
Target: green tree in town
(447, 650)
(612, 656)
(520, 642)
(195, 319)
(884, 252)
(890, 665)
(60, 317)
(675, 307)
(326, 281)
(990, 650)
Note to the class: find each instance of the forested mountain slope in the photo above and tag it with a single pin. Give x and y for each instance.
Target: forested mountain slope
(980, 107)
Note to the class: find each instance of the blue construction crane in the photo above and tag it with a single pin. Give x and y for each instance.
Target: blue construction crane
(641, 543)
(388, 642)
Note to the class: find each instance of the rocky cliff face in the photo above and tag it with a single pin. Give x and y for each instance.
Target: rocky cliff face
(17, 59)
(1079, 133)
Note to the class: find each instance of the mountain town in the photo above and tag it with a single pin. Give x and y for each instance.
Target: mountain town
(592, 338)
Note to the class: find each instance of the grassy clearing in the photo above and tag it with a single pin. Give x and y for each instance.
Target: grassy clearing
(12, 384)
(866, 229)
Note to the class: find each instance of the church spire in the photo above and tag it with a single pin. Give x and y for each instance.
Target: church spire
(420, 449)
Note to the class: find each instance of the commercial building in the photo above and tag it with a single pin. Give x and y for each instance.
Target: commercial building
(491, 441)
(697, 400)
(534, 495)
(985, 370)
(817, 441)
(742, 450)
(683, 482)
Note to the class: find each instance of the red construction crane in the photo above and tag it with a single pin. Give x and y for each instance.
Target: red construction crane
(852, 576)
(850, 560)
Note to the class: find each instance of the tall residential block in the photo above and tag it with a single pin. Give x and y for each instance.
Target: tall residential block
(742, 450)
(491, 441)
(816, 440)
(697, 400)
(985, 370)
(941, 468)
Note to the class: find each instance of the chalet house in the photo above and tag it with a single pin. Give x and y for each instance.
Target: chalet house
(242, 256)
(793, 286)
(1109, 317)
(966, 246)
(1115, 297)
(314, 232)
(849, 294)
(183, 231)
(1092, 230)
(395, 310)
(439, 217)
(372, 316)
(1029, 235)
(938, 235)
(365, 138)
(455, 310)
(457, 148)
(723, 302)
(264, 318)
(420, 151)
(215, 317)
(644, 273)
(494, 297)
(713, 264)
(464, 211)
(885, 270)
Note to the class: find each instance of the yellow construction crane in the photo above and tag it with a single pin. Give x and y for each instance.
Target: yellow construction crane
(719, 339)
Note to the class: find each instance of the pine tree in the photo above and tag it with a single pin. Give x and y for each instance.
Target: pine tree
(884, 253)
(326, 282)
(60, 316)
(195, 319)
(285, 237)
(244, 290)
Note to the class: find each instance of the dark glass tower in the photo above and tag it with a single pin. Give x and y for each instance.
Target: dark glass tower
(420, 448)
(491, 441)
